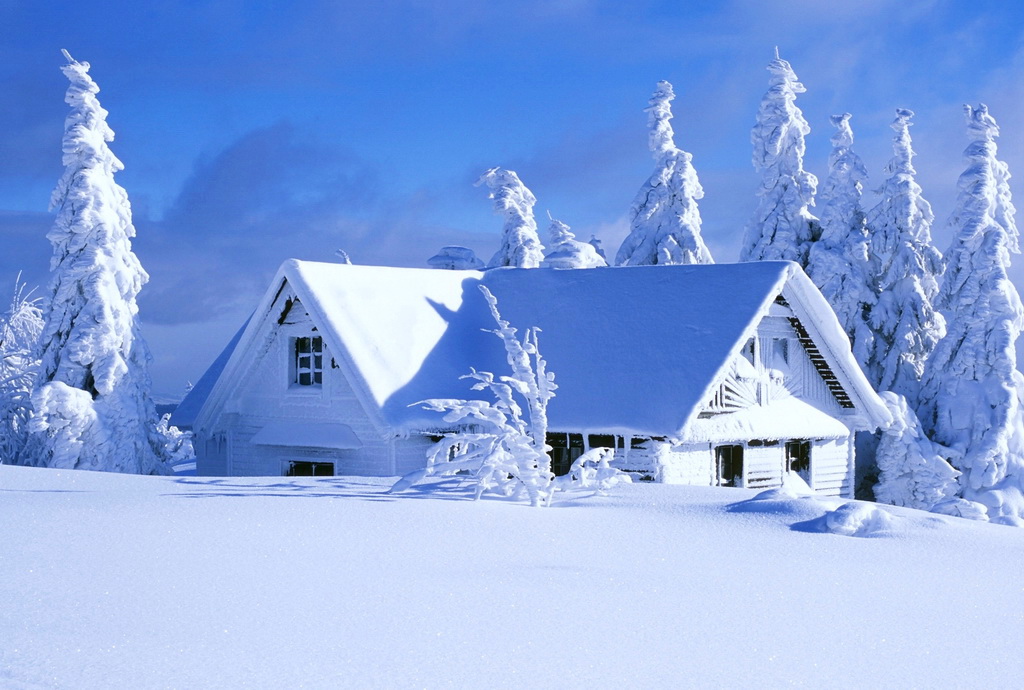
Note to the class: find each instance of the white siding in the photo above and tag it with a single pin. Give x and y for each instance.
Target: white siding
(688, 464)
(830, 473)
(411, 453)
(763, 466)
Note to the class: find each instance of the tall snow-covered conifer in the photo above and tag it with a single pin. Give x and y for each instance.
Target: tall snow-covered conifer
(906, 267)
(839, 263)
(520, 245)
(664, 218)
(782, 227)
(912, 471)
(92, 404)
(972, 396)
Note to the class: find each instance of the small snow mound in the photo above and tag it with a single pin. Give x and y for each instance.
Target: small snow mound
(1010, 520)
(793, 498)
(857, 520)
(794, 485)
(959, 507)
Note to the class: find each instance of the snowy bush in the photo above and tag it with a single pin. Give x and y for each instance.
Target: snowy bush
(565, 251)
(499, 444)
(839, 263)
(664, 225)
(520, 245)
(973, 394)
(782, 227)
(20, 327)
(913, 470)
(66, 423)
(906, 268)
(959, 507)
(93, 377)
(592, 471)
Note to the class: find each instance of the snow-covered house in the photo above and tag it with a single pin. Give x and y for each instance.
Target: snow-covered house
(725, 374)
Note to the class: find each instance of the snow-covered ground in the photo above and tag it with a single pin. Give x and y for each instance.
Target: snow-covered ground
(114, 581)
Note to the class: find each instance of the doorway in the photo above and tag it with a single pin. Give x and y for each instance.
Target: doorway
(729, 465)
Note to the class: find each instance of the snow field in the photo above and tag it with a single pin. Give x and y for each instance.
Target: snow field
(152, 582)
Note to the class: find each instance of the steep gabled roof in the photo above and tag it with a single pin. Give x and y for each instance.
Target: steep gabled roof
(634, 350)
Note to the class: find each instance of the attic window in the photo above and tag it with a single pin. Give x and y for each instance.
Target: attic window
(309, 361)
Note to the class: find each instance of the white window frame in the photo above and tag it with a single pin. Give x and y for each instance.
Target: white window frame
(308, 364)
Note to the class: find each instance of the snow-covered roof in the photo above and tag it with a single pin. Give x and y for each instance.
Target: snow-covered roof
(184, 415)
(634, 350)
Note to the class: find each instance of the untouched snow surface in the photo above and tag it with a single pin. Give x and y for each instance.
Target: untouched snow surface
(161, 582)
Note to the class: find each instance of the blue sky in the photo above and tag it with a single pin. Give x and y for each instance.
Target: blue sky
(256, 131)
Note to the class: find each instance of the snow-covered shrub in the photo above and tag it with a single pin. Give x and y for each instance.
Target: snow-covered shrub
(906, 267)
(973, 394)
(20, 327)
(91, 341)
(565, 251)
(177, 443)
(67, 425)
(782, 227)
(664, 225)
(501, 444)
(839, 263)
(592, 471)
(520, 245)
(455, 258)
(913, 471)
(959, 507)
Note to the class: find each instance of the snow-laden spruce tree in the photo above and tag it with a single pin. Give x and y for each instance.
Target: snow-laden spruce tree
(906, 267)
(839, 263)
(92, 404)
(501, 444)
(972, 394)
(20, 328)
(913, 471)
(782, 227)
(565, 251)
(520, 245)
(664, 226)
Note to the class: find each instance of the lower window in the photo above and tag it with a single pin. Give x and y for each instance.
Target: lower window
(302, 468)
(729, 465)
(565, 448)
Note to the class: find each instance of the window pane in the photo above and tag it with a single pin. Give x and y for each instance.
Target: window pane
(318, 362)
(318, 377)
(304, 378)
(302, 344)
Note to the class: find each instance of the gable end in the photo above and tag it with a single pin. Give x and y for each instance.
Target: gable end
(821, 365)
